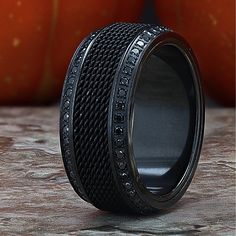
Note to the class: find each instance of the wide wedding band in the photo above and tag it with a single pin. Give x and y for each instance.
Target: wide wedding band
(132, 118)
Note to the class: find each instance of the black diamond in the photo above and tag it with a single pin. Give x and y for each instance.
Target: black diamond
(120, 154)
(146, 37)
(131, 193)
(128, 185)
(120, 105)
(122, 93)
(119, 118)
(119, 142)
(135, 52)
(66, 140)
(121, 165)
(118, 130)
(140, 43)
(66, 117)
(67, 154)
(66, 129)
(67, 103)
(127, 70)
(124, 175)
(131, 60)
(74, 69)
(69, 92)
(124, 81)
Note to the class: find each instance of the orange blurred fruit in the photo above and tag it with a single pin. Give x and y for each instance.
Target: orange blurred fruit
(209, 26)
(39, 37)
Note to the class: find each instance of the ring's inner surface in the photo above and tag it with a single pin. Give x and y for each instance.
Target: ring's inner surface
(163, 119)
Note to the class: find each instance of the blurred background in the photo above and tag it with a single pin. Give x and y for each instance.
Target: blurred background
(38, 38)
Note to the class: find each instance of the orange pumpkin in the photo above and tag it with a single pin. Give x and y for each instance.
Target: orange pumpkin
(209, 26)
(38, 38)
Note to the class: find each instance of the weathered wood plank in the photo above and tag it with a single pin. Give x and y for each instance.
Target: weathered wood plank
(36, 198)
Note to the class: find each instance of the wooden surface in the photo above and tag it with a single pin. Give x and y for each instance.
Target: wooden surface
(36, 198)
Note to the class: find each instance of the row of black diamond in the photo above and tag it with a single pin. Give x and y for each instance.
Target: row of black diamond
(66, 114)
(119, 116)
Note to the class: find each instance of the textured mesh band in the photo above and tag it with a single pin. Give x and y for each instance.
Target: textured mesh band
(91, 114)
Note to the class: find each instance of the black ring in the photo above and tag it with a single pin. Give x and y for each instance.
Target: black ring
(132, 118)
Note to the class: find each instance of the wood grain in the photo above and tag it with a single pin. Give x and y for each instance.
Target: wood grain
(37, 199)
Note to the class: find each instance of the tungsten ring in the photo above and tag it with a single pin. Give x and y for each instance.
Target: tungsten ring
(132, 118)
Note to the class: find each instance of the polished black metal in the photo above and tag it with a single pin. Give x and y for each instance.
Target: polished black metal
(132, 118)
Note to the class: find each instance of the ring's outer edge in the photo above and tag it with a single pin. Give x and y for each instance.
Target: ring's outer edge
(67, 111)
